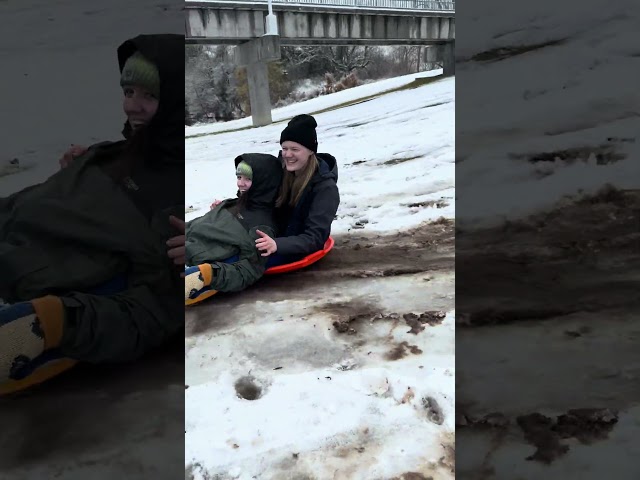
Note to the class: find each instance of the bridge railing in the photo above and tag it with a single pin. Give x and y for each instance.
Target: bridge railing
(436, 5)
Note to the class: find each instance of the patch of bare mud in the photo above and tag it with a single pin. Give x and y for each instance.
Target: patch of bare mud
(397, 160)
(490, 421)
(427, 248)
(429, 203)
(603, 155)
(587, 425)
(548, 435)
(402, 350)
(417, 322)
(540, 303)
(502, 53)
(577, 257)
(356, 315)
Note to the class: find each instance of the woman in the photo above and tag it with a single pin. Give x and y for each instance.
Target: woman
(83, 255)
(308, 199)
(220, 244)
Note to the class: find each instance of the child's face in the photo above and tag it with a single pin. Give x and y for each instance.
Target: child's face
(139, 105)
(243, 183)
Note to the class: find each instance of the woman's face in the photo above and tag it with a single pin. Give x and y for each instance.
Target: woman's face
(139, 105)
(243, 183)
(295, 156)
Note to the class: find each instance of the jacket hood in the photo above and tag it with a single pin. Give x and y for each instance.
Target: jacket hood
(328, 168)
(165, 133)
(267, 177)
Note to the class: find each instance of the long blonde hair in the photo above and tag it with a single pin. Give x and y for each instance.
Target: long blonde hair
(293, 185)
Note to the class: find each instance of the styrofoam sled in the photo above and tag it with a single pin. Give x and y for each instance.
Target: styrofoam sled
(207, 293)
(50, 363)
(275, 270)
(49, 369)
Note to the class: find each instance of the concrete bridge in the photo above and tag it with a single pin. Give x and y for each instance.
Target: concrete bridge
(260, 28)
(402, 22)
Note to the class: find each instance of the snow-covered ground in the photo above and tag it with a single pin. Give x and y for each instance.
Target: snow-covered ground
(548, 108)
(314, 104)
(575, 94)
(395, 154)
(353, 405)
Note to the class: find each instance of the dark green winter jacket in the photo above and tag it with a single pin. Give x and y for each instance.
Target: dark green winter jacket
(106, 217)
(229, 230)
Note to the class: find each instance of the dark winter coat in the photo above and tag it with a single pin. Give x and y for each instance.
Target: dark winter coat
(307, 226)
(229, 230)
(106, 217)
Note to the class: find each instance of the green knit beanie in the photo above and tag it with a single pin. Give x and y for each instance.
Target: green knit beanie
(141, 72)
(245, 169)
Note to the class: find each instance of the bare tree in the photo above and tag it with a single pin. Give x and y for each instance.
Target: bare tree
(216, 88)
(209, 83)
(340, 60)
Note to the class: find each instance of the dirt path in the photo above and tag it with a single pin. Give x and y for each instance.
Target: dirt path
(549, 328)
(427, 248)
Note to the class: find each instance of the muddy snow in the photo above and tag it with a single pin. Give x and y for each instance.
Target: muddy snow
(547, 385)
(344, 370)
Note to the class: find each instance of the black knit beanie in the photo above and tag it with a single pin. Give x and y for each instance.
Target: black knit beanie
(301, 129)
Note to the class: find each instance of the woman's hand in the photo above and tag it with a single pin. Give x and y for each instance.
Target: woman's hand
(266, 244)
(215, 204)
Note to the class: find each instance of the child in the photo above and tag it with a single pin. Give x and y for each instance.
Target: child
(83, 255)
(220, 245)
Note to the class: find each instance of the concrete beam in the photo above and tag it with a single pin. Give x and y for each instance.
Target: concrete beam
(227, 5)
(263, 49)
(226, 26)
(334, 42)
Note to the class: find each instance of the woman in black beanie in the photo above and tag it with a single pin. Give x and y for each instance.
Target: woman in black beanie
(309, 197)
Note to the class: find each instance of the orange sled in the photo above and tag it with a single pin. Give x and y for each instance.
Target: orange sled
(305, 262)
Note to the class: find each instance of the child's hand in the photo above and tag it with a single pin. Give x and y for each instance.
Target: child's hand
(73, 152)
(215, 204)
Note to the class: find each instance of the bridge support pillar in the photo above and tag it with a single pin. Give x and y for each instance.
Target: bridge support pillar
(448, 59)
(444, 54)
(255, 54)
